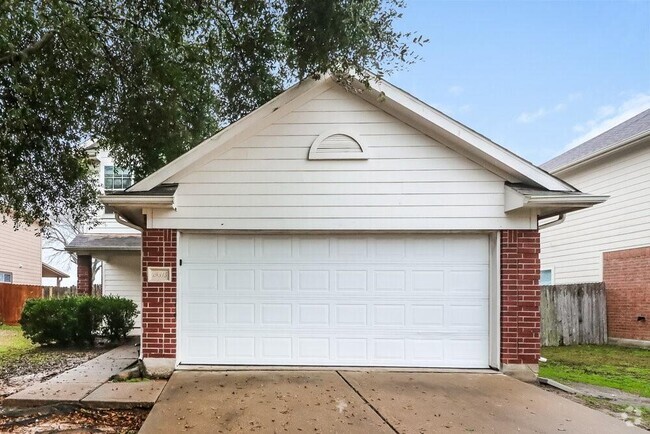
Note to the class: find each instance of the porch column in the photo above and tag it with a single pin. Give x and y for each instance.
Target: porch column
(84, 274)
(159, 301)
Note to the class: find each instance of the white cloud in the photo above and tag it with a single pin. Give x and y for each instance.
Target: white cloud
(455, 90)
(528, 117)
(609, 116)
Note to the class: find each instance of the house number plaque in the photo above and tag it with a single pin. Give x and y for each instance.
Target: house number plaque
(159, 274)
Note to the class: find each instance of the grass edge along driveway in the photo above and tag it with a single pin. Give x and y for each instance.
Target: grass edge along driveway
(623, 368)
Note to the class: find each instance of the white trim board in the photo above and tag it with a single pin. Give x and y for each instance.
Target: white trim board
(384, 96)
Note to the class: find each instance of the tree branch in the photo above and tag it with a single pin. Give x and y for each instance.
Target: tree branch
(20, 56)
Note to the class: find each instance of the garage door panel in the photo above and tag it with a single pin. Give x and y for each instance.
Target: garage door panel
(237, 280)
(334, 300)
(348, 350)
(313, 280)
(444, 315)
(237, 249)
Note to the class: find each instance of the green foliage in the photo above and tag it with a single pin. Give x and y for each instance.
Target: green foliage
(150, 79)
(55, 320)
(626, 369)
(77, 320)
(118, 317)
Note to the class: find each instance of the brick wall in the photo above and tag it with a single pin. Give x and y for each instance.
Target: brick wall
(84, 274)
(626, 274)
(520, 297)
(158, 299)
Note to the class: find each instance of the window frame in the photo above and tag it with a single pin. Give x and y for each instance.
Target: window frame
(552, 279)
(125, 178)
(6, 273)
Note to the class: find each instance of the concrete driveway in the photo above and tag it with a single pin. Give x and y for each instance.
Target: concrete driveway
(366, 402)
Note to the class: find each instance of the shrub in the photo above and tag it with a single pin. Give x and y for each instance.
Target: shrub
(118, 317)
(77, 320)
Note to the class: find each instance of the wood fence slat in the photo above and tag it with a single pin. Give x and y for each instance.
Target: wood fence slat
(574, 314)
(13, 298)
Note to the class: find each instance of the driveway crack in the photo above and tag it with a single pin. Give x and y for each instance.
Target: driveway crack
(368, 403)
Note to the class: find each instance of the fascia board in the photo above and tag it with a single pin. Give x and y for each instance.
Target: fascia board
(245, 126)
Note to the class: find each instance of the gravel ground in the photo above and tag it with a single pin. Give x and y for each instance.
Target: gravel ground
(71, 419)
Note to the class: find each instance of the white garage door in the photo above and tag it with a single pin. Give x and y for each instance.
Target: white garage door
(375, 300)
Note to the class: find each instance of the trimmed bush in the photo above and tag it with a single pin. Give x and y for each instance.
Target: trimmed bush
(118, 316)
(77, 320)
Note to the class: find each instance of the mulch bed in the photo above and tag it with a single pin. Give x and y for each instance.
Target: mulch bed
(66, 418)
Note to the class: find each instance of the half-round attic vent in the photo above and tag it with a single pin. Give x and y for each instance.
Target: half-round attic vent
(337, 145)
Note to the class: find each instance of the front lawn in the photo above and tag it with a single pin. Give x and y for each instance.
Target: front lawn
(626, 369)
(12, 343)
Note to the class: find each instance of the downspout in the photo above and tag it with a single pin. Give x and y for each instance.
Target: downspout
(559, 220)
(121, 220)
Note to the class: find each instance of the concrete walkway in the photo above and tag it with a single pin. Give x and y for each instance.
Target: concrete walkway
(87, 384)
(366, 402)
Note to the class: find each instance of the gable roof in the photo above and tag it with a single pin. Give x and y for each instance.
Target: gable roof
(49, 271)
(622, 134)
(383, 95)
(121, 242)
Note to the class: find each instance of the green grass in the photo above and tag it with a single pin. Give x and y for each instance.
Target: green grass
(626, 369)
(13, 344)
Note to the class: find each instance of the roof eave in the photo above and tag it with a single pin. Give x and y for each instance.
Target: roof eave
(139, 201)
(424, 117)
(631, 141)
(551, 203)
(56, 273)
(485, 149)
(79, 249)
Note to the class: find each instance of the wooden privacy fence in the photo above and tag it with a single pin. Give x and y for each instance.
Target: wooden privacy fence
(64, 291)
(12, 300)
(574, 314)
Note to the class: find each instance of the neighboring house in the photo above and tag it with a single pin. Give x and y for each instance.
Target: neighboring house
(50, 273)
(116, 245)
(20, 254)
(610, 242)
(337, 228)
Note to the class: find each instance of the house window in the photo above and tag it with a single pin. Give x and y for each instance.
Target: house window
(6, 277)
(116, 178)
(546, 277)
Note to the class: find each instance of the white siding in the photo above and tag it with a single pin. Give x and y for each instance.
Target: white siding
(122, 277)
(107, 223)
(409, 182)
(20, 253)
(574, 249)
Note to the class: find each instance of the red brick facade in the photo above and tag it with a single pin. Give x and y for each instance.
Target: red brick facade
(626, 274)
(84, 274)
(159, 299)
(520, 296)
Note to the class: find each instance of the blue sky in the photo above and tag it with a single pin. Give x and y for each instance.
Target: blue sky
(536, 77)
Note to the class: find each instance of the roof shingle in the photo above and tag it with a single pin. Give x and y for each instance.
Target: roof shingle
(635, 126)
